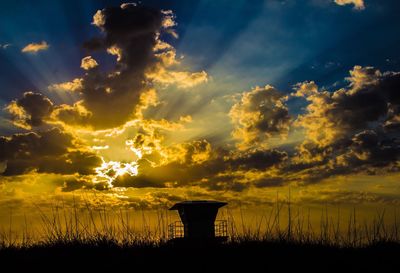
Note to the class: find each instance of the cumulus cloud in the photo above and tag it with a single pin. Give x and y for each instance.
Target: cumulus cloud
(88, 63)
(169, 19)
(352, 129)
(75, 116)
(182, 79)
(51, 151)
(198, 163)
(305, 89)
(257, 160)
(164, 74)
(72, 86)
(260, 114)
(358, 4)
(78, 182)
(35, 47)
(132, 33)
(129, 32)
(31, 110)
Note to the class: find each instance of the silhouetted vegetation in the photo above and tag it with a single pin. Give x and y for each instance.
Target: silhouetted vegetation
(98, 242)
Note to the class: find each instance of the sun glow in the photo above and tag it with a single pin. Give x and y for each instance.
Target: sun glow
(109, 171)
(138, 151)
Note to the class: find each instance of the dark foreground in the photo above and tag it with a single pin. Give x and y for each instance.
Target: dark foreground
(231, 257)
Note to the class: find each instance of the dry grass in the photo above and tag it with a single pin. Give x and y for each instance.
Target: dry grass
(101, 227)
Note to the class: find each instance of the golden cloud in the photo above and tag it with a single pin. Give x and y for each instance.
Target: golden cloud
(182, 79)
(30, 110)
(260, 114)
(358, 4)
(35, 47)
(88, 63)
(73, 86)
(50, 151)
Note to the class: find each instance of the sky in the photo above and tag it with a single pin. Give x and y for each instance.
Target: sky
(141, 105)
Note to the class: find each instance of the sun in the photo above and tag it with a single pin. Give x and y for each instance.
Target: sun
(109, 171)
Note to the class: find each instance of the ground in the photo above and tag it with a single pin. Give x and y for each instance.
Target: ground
(250, 256)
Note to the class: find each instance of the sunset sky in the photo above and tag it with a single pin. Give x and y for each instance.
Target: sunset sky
(142, 105)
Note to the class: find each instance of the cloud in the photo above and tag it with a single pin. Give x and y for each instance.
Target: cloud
(51, 151)
(72, 86)
(198, 163)
(350, 130)
(31, 110)
(305, 89)
(130, 32)
(133, 34)
(259, 115)
(76, 115)
(76, 183)
(257, 160)
(164, 74)
(358, 4)
(5, 46)
(331, 116)
(88, 63)
(182, 79)
(99, 19)
(169, 19)
(143, 181)
(35, 47)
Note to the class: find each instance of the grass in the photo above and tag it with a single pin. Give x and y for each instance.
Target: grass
(283, 239)
(121, 227)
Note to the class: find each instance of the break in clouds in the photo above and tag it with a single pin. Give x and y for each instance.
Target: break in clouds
(351, 130)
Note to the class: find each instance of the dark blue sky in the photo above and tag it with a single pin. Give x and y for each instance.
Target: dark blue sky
(239, 43)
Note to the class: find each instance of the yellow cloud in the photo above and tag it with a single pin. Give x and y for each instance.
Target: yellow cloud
(260, 114)
(72, 86)
(358, 4)
(166, 73)
(35, 47)
(72, 117)
(116, 51)
(169, 19)
(305, 89)
(19, 115)
(182, 79)
(30, 110)
(88, 63)
(99, 19)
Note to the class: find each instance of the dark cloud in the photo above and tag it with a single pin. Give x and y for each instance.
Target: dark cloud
(199, 164)
(232, 184)
(30, 110)
(353, 129)
(141, 181)
(51, 151)
(269, 182)
(110, 98)
(368, 149)
(130, 32)
(258, 160)
(260, 114)
(77, 183)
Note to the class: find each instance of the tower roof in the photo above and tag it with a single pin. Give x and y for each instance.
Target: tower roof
(198, 203)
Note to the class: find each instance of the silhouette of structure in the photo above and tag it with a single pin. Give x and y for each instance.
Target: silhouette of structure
(198, 219)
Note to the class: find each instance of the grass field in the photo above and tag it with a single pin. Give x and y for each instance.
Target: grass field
(95, 240)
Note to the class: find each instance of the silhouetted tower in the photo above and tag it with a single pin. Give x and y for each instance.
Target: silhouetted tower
(198, 218)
